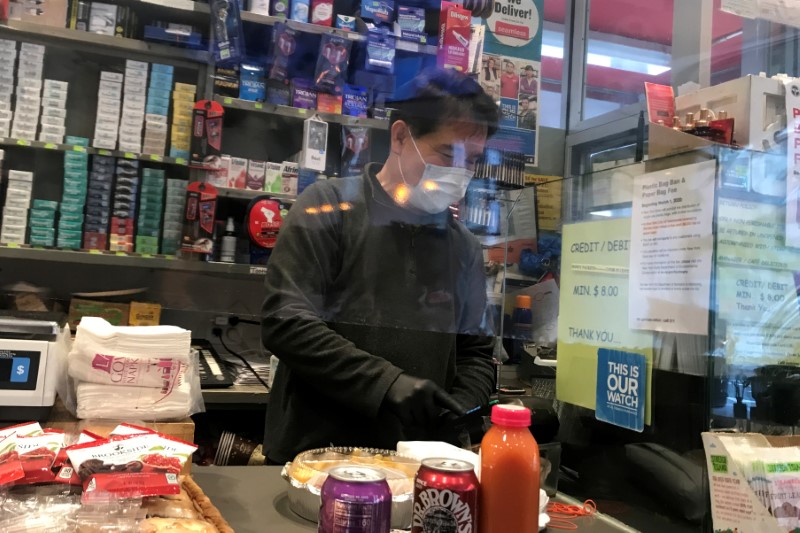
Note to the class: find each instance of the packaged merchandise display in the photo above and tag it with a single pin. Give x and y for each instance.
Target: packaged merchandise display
(380, 51)
(206, 140)
(226, 27)
(157, 109)
(18, 197)
(454, 37)
(175, 205)
(183, 99)
(109, 104)
(252, 85)
(198, 220)
(133, 106)
(315, 144)
(332, 62)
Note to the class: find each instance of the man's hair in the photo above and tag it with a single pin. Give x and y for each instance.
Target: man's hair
(437, 97)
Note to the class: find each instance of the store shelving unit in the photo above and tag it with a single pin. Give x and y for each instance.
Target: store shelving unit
(293, 112)
(247, 194)
(38, 145)
(15, 29)
(131, 260)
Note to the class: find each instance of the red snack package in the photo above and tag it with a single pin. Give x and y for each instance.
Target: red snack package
(62, 467)
(10, 465)
(37, 453)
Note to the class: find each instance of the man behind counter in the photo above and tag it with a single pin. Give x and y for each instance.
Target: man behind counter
(375, 293)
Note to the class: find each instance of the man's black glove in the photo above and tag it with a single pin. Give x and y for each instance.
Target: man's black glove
(419, 402)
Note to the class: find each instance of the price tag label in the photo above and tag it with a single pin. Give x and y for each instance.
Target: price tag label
(301, 111)
(104, 152)
(96, 252)
(156, 157)
(50, 146)
(228, 101)
(259, 105)
(258, 270)
(121, 254)
(12, 245)
(147, 255)
(81, 149)
(129, 155)
(180, 161)
(23, 142)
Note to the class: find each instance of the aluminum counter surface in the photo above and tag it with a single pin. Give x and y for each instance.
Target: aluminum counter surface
(253, 500)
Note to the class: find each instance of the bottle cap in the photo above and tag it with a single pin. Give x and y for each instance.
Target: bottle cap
(523, 301)
(515, 416)
(229, 226)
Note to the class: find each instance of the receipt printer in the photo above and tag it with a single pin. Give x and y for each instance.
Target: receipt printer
(32, 355)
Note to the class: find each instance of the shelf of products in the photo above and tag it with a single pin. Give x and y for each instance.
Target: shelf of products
(19, 29)
(248, 194)
(293, 112)
(155, 158)
(124, 259)
(236, 395)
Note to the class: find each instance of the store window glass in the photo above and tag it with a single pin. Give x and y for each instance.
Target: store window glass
(628, 44)
(726, 45)
(553, 65)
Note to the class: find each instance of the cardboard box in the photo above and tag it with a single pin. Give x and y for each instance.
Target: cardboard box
(734, 504)
(61, 418)
(115, 313)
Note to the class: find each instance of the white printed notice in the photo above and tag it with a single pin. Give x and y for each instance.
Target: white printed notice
(793, 163)
(671, 248)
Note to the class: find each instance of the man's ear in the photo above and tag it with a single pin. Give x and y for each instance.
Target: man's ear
(399, 136)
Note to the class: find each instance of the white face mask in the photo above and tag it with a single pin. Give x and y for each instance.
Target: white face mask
(438, 188)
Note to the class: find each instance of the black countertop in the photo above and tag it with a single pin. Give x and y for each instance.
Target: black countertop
(253, 500)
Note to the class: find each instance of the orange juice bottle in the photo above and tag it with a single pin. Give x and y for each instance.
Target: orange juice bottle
(509, 493)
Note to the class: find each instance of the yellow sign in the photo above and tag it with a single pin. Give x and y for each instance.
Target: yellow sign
(593, 309)
(144, 314)
(548, 200)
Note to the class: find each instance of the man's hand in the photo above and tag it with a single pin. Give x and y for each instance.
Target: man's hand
(419, 402)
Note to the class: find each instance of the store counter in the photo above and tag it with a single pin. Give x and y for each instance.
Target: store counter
(253, 500)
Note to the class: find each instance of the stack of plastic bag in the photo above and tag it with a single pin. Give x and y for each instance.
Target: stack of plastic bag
(142, 372)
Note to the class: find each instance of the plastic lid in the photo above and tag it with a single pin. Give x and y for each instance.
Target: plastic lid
(229, 226)
(524, 301)
(515, 416)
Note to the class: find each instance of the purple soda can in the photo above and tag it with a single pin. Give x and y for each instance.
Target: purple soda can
(355, 499)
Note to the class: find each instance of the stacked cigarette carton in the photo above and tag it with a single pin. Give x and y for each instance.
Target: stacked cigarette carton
(133, 106)
(157, 110)
(173, 216)
(182, 106)
(29, 92)
(109, 98)
(15, 213)
(73, 200)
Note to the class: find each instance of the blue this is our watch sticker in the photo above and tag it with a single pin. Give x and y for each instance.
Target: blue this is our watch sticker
(621, 388)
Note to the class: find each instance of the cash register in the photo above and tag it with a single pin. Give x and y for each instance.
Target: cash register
(32, 355)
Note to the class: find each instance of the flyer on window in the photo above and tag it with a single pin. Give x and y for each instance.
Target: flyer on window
(511, 68)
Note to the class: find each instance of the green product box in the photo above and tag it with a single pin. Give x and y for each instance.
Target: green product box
(76, 183)
(43, 233)
(146, 241)
(76, 165)
(40, 241)
(74, 193)
(72, 244)
(71, 217)
(45, 205)
(147, 232)
(65, 225)
(73, 205)
(69, 234)
(42, 213)
(153, 172)
(148, 226)
(146, 249)
(150, 188)
(41, 223)
(79, 175)
(76, 141)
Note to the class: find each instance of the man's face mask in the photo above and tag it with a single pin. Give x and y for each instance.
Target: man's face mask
(438, 188)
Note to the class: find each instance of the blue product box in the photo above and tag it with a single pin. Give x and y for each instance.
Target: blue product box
(157, 101)
(252, 86)
(355, 101)
(160, 68)
(157, 110)
(378, 10)
(163, 84)
(182, 154)
(161, 94)
(300, 10)
(344, 22)
(98, 204)
(160, 77)
(412, 24)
